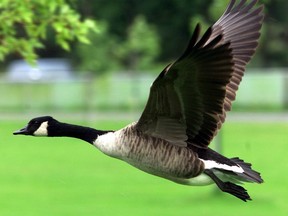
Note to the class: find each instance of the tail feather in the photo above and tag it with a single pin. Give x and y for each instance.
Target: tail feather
(229, 187)
(249, 174)
(228, 173)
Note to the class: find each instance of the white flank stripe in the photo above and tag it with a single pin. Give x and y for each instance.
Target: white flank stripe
(210, 164)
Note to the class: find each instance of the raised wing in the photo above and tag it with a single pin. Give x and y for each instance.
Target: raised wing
(240, 26)
(190, 93)
(189, 99)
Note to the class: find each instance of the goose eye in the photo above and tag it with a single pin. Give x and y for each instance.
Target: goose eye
(33, 122)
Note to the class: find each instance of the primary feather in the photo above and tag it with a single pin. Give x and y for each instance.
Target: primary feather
(195, 92)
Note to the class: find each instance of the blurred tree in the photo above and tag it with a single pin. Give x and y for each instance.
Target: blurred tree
(24, 26)
(137, 51)
(174, 20)
(171, 18)
(274, 41)
(141, 47)
(99, 56)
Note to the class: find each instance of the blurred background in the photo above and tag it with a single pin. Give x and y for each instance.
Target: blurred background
(92, 63)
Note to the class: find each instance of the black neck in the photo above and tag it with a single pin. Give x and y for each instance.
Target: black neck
(68, 130)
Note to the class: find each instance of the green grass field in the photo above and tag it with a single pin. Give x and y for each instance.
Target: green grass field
(67, 177)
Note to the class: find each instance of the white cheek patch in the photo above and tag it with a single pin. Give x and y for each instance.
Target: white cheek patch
(42, 130)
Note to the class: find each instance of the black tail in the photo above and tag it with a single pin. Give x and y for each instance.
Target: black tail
(229, 187)
(225, 173)
(249, 174)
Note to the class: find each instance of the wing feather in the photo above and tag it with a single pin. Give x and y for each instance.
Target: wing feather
(189, 99)
(240, 26)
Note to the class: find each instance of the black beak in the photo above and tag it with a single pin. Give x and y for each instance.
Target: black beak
(22, 131)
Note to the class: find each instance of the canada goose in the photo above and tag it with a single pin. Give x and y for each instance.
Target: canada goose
(186, 107)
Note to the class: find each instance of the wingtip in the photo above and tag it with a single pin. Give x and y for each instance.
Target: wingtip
(193, 41)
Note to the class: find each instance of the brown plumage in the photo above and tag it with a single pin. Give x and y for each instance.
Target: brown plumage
(186, 107)
(156, 156)
(196, 91)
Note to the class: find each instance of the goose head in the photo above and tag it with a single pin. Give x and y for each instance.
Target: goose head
(37, 126)
(47, 126)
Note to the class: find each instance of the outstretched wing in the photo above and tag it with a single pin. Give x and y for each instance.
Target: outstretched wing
(190, 93)
(240, 26)
(189, 99)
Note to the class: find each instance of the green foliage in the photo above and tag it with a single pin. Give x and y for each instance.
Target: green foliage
(174, 20)
(99, 55)
(169, 17)
(24, 26)
(137, 51)
(141, 47)
(217, 8)
(273, 49)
